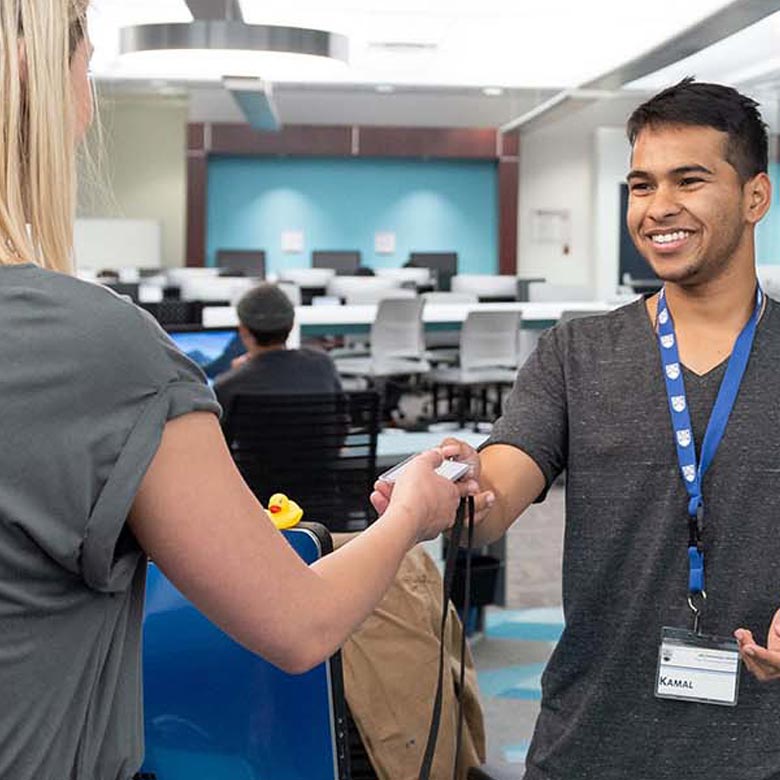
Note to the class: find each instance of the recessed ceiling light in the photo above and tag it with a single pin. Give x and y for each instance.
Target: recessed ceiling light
(385, 88)
(492, 91)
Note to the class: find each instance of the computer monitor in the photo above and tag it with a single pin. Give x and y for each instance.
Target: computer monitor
(344, 263)
(213, 349)
(443, 264)
(241, 262)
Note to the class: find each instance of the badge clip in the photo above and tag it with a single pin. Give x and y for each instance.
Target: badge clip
(697, 609)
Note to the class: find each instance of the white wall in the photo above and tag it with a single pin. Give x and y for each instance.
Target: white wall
(145, 168)
(576, 164)
(611, 152)
(555, 173)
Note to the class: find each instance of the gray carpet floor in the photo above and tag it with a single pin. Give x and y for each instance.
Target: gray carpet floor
(517, 642)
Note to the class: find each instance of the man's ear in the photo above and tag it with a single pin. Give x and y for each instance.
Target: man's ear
(246, 337)
(757, 197)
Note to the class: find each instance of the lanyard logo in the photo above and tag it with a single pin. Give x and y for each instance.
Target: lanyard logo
(667, 341)
(684, 437)
(673, 370)
(678, 403)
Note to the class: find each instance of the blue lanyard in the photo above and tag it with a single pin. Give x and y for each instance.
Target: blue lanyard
(692, 473)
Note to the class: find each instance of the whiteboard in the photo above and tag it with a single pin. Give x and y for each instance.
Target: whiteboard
(117, 243)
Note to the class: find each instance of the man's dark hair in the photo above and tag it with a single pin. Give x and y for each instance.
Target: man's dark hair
(266, 312)
(699, 104)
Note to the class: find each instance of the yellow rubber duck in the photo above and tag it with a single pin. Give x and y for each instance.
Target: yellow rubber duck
(284, 512)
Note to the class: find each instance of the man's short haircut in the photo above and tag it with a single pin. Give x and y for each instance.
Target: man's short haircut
(699, 104)
(266, 312)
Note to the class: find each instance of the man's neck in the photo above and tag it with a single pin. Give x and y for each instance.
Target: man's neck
(257, 350)
(708, 317)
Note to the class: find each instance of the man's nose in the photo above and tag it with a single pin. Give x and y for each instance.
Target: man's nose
(664, 204)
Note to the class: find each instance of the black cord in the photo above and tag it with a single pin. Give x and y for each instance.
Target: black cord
(466, 608)
(449, 576)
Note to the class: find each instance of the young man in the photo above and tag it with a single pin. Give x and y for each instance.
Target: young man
(605, 398)
(266, 318)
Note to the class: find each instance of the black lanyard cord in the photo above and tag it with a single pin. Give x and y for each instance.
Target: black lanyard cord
(449, 576)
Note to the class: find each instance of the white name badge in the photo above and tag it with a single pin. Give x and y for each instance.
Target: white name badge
(695, 667)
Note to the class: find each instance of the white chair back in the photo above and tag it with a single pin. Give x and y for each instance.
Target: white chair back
(544, 292)
(417, 276)
(489, 339)
(486, 285)
(567, 315)
(366, 289)
(397, 330)
(176, 276)
(307, 277)
(216, 288)
(292, 291)
(450, 297)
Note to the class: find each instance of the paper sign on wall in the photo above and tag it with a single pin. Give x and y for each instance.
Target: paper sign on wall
(550, 226)
(292, 241)
(384, 243)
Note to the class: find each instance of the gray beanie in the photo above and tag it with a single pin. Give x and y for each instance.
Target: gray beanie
(266, 309)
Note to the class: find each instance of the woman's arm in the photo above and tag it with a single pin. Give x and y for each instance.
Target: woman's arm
(198, 520)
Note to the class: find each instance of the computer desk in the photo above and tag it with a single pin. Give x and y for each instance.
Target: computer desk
(341, 320)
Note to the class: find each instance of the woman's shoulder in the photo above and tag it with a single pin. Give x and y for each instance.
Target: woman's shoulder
(79, 318)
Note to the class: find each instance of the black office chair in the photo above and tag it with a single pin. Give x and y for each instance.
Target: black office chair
(174, 312)
(320, 450)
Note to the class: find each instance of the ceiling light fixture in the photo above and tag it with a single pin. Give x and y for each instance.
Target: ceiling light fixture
(492, 91)
(219, 42)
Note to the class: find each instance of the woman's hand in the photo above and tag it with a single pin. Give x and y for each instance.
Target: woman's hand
(419, 493)
(468, 485)
(763, 662)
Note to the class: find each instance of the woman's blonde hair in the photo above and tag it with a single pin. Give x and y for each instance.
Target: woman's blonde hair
(37, 124)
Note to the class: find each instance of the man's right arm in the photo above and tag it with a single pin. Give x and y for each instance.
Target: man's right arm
(509, 481)
(513, 480)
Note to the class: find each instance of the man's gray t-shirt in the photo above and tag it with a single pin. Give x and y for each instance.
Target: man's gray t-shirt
(280, 372)
(592, 400)
(87, 383)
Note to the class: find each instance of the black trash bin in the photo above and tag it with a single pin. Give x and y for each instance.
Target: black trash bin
(484, 579)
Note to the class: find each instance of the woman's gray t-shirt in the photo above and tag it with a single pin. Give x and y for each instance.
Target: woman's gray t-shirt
(87, 384)
(592, 401)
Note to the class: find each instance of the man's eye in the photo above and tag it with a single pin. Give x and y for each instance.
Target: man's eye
(689, 181)
(639, 187)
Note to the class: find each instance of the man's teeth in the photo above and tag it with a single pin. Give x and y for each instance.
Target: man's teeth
(667, 238)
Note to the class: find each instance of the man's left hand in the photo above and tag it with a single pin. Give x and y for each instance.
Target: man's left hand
(763, 662)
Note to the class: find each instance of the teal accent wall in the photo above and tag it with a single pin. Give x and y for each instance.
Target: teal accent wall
(768, 230)
(341, 203)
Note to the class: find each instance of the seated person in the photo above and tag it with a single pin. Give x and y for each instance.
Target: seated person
(266, 317)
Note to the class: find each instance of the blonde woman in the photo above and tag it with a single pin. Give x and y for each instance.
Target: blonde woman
(111, 449)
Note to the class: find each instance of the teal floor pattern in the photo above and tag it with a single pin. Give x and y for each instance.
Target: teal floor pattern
(511, 657)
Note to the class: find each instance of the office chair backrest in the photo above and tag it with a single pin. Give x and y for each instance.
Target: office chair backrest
(567, 315)
(397, 330)
(489, 339)
(214, 710)
(486, 286)
(307, 277)
(318, 449)
(212, 289)
(365, 289)
(450, 297)
(544, 292)
(407, 275)
(292, 291)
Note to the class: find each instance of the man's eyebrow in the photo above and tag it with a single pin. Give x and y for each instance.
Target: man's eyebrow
(637, 174)
(683, 169)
